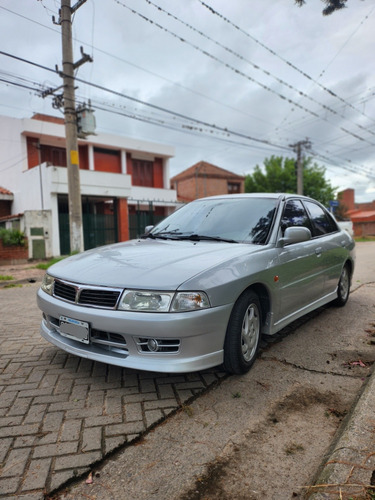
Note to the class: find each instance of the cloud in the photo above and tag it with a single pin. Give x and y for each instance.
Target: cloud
(238, 88)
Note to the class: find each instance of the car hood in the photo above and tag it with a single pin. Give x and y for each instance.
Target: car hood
(147, 264)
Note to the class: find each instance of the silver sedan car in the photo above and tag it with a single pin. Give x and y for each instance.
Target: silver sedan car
(200, 288)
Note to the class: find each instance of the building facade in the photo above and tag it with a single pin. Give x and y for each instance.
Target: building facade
(362, 215)
(204, 179)
(124, 185)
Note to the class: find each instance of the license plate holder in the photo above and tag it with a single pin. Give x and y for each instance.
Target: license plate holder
(75, 329)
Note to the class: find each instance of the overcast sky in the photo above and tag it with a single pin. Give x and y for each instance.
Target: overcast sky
(230, 86)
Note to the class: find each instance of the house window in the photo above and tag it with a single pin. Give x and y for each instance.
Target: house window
(142, 173)
(234, 187)
(53, 155)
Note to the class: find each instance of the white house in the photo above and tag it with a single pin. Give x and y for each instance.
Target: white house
(124, 184)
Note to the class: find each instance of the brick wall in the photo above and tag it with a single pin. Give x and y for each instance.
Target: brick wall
(13, 254)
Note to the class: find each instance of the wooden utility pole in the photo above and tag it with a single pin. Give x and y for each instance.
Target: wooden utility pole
(297, 148)
(72, 158)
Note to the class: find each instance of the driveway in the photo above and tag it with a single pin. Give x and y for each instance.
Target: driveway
(60, 415)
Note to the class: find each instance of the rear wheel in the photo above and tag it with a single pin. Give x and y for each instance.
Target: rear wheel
(343, 287)
(243, 334)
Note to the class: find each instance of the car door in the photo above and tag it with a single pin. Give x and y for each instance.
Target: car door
(333, 251)
(301, 269)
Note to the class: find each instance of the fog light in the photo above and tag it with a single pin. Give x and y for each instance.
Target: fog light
(153, 345)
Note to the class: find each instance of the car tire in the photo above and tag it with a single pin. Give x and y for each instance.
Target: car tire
(243, 334)
(343, 287)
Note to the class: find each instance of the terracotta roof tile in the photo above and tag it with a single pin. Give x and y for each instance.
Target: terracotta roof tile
(204, 168)
(5, 191)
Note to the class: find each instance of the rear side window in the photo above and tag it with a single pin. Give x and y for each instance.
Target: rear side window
(321, 221)
(295, 215)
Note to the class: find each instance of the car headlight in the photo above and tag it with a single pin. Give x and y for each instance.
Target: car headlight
(47, 284)
(190, 301)
(150, 301)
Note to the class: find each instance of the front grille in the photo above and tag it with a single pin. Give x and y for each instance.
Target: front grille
(153, 345)
(64, 291)
(100, 298)
(91, 296)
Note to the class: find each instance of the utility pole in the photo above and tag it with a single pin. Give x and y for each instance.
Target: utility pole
(72, 157)
(297, 148)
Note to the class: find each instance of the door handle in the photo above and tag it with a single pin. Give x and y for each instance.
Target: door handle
(318, 251)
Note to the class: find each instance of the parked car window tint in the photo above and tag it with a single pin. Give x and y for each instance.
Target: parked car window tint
(242, 219)
(295, 215)
(321, 220)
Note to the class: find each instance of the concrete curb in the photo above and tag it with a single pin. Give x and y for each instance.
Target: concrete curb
(24, 281)
(349, 471)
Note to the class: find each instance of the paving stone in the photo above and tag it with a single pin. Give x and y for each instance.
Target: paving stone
(36, 476)
(7, 399)
(133, 412)
(147, 385)
(71, 430)
(5, 445)
(113, 406)
(75, 461)
(153, 416)
(35, 414)
(19, 430)
(103, 420)
(16, 462)
(160, 403)
(53, 450)
(52, 421)
(92, 439)
(9, 485)
(166, 391)
(123, 429)
(10, 421)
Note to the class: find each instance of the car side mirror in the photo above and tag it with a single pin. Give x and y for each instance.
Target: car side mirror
(295, 234)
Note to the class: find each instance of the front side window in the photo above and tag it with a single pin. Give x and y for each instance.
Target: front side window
(295, 215)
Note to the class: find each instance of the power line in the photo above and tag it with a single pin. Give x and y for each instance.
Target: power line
(199, 131)
(256, 66)
(106, 53)
(153, 106)
(274, 53)
(237, 71)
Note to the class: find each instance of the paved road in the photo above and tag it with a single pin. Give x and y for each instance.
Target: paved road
(59, 414)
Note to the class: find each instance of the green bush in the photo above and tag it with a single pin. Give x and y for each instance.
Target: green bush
(12, 237)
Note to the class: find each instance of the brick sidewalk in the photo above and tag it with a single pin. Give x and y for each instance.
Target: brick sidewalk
(60, 414)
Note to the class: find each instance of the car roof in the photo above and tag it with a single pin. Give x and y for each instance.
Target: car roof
(274, 196)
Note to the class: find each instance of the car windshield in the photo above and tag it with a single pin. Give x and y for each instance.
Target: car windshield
(232, 220)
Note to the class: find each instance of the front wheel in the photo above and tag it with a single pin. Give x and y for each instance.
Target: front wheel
(343, 287)
(243, 334)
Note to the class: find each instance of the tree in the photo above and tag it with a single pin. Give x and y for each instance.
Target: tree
(280, 177)
(332, 5)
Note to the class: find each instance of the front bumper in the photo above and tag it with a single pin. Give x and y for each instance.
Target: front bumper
(200, 335)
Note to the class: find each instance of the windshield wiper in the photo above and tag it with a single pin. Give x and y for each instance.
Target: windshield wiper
(164, 235)
(202, 237)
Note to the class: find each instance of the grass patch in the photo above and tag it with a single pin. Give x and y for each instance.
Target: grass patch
(46, 265)
(362, 239)
(6, 277)
(13, 285)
